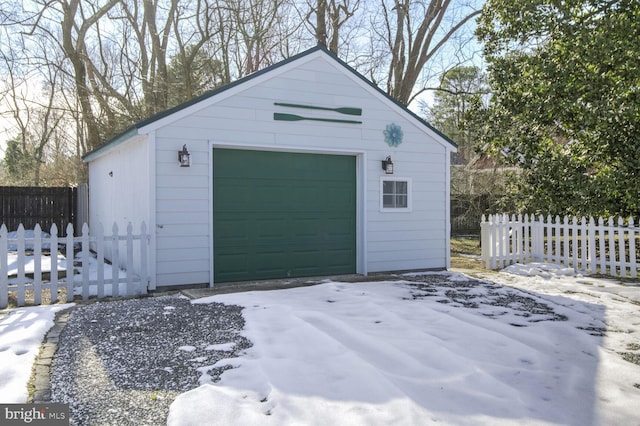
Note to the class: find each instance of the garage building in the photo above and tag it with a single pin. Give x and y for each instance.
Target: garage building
(302, 169)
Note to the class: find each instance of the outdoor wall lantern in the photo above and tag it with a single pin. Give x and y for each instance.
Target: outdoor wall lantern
(184, 158)
(387, 165)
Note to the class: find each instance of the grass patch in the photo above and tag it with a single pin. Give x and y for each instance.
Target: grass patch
(465, 252)
(467, 263)
(469, 246)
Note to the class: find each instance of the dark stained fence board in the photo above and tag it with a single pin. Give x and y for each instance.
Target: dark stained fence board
(33, 205)
(467, 211)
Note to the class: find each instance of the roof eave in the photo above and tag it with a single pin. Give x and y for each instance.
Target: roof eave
(140, 126)
(112, 143)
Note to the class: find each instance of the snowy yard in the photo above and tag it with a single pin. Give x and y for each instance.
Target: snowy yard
(537, 346)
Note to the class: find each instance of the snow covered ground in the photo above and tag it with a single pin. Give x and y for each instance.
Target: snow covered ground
(46, 263)
(536, 345)
(30, 262)
(21, 333)
(391, 353)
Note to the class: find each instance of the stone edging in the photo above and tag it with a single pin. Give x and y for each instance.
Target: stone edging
(39, 380)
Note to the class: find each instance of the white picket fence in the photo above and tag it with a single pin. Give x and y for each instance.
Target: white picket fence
(89, 265)
(584, 244)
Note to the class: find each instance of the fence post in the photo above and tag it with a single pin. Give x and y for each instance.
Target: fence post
(100, 259)
(500, 241)
(21, 260)
(4, 268)
(591, 254)
(602, 246)
(130, 291)
(515, 239)
(85, 262)
(484, 241)
(621, 246)
(115, 262)
(566, 227)
(583, 244)
(548, 247)
(493, 238)
(37, 265)
(632, 248)
(53, 251)
(612, 247)
(143, 256)
(527, 238)
(553, 240)
(520, 242)
(70, 253)
(535, 239)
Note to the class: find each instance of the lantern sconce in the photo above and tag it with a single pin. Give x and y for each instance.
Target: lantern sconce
(387, 165)
(184, 158)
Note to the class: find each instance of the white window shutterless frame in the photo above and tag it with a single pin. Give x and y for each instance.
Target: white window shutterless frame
(395, 194)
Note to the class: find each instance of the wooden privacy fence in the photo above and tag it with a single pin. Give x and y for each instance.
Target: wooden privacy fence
(37, 205)
(38, 262)
(611, 248)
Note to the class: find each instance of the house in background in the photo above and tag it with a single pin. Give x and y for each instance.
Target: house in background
(302, 169)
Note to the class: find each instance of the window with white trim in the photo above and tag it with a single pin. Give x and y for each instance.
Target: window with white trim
(395, 194)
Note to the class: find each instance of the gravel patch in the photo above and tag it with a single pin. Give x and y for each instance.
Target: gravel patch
(492, 299)
(124, 362)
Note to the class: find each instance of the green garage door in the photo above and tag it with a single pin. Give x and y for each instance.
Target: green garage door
(279, 215)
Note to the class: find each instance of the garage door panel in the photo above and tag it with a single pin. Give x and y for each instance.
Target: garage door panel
(268, 194)
(290, 214)
(305, 228)
(232, 195)
(232, 266)
(304, 197)
(339, 259)
(268, 263)
(339, 227)
(268, 228)
(338, 196)
(233, 231)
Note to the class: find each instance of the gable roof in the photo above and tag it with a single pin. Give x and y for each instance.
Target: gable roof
(133, 130)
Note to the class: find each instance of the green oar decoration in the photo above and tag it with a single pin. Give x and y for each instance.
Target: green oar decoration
(292, 117)
(344, 110)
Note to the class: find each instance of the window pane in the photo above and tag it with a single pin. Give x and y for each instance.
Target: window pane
(401, 201)
(395, 194)
(387, 187)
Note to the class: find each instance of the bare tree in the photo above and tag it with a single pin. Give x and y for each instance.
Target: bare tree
(104, 64)
(415, 32)
(77, 20)
(34, 111)
(330, 17)
(260, 26)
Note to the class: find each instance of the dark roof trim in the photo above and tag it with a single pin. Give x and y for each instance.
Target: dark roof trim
(133, 129)
(113, 142)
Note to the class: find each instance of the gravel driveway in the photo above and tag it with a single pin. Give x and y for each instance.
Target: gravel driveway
(124, 362)
(102, 367)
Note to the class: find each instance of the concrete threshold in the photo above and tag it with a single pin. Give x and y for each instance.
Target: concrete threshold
(282, 283)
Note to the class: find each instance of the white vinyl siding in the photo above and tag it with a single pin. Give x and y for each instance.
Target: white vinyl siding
(246, 120)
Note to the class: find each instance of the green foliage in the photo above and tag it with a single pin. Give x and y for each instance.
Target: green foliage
(22, 167)
(18, 163)
(566, 105)
(460, 93)
(191, 73)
